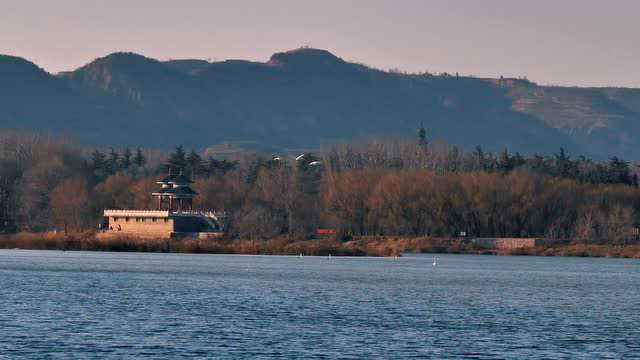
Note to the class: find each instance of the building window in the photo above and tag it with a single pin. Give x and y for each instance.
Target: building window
(126, 219)
(115, 219)
(166, 220)
(153, 219)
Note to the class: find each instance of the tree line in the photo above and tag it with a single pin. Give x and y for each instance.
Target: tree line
(408, 188)
(192, 163)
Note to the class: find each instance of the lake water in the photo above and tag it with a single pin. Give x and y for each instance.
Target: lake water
(125, 305)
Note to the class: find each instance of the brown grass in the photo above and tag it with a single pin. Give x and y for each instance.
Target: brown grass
(583, 250)
(90, 242)
(79, 241)
(361, 246)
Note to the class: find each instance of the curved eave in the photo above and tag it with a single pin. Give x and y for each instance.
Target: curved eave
(182, 196)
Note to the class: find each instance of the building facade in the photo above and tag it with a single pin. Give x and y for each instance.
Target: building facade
(173, 217)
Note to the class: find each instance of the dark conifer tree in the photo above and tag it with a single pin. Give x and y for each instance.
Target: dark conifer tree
(518, 160)
(194, 164)
(99, 165)
(219, 168)
(422, 136)
(98, 161)
(619, 172)
(479, 159)
(562, 163)
(113, 163)
(125, 161)
(177, 160)
(139, 160)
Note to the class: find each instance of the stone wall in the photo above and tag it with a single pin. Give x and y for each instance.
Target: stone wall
(507, 243)
(149, 227)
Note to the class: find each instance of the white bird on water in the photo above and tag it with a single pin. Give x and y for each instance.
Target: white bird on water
(435, 261)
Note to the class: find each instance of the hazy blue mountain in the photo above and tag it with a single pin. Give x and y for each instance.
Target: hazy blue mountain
(306, 97)
(31, 97)
(188, 66)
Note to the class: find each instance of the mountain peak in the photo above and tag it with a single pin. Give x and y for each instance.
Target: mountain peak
(305, 97)
(305, 56)
(120, 64)
(125, 74)
(122, 59)
(18, 65)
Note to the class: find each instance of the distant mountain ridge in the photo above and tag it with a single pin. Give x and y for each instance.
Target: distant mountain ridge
(305, 98)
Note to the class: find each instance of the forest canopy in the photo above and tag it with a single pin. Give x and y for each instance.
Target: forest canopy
(403, 188)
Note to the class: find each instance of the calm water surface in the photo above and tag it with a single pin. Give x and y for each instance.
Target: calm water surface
(123, 305)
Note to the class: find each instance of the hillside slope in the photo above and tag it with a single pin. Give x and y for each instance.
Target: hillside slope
(304, 98)
(606, 119)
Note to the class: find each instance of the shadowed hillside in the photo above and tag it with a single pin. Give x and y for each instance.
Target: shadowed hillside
(32, 98)
(307, 97)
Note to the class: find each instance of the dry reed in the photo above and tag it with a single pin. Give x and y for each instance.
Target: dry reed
(360, 246)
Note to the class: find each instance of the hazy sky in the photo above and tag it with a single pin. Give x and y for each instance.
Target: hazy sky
(578, 42)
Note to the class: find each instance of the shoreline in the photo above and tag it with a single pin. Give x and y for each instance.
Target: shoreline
(375, 246)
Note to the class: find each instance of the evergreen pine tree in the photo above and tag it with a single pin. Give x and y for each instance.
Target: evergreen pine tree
(177, 160)
(518, 160)
(619, 172)
(422, 136)
(217, 167)
(480, 159)
(125, 161)
(139, 159)
(98, 161)
(562, 163)
(194, 164)
(113, 164)
(99, 164)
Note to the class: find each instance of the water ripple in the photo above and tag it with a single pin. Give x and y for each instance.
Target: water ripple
(108, 305)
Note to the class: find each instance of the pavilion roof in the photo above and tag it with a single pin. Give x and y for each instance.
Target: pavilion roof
(176, 179)
(181, 190)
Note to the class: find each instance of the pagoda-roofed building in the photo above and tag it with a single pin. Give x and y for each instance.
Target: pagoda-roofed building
(173, 217)
(175, 193)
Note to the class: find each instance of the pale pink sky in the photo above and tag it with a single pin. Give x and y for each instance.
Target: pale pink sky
(570, 42)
